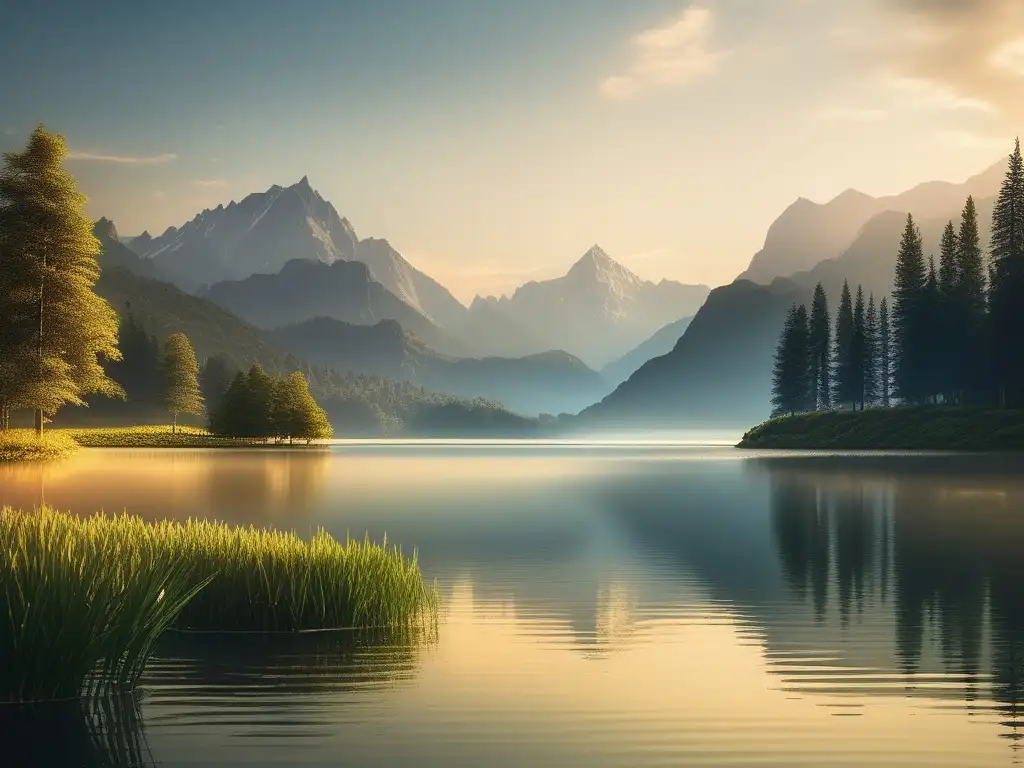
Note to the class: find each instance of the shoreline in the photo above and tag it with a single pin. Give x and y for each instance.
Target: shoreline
(912, 428)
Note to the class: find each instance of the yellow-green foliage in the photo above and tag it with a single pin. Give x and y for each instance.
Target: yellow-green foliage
(24, 445)
(149, 437)
(87, 597)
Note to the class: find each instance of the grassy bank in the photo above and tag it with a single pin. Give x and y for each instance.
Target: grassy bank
(917, 428)
(23, 445)
(154, 437)
(87, 597)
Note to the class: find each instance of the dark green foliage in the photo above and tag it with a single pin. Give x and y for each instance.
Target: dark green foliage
(214, 379)
(969, 319)
(791, 380)
(259, 406)
(947, 324)
(870, 355)
(820, 343)
(846, 380)
(907, 297)
(859, 351)
(1006, 300)
(930, 335)
(884, 354)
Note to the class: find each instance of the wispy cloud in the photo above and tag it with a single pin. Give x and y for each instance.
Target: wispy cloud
(159, 194)
(9, 131)
(99, 157)
(970, 53)
(673, 54)
(938, 95)
(209, 182)
(841, 114)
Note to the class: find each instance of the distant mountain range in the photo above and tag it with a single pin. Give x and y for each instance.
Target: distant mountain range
(598, 311)
(232, 255)
(719, 374)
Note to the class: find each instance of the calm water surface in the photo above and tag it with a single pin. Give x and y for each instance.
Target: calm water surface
(605, 606)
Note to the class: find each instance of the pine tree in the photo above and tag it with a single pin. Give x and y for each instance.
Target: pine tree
(1007, 289)
(181, 383)
(820, 342)
(791, 382)
(869, 363)
(968, 353)
(884, 353)
(930, 344)
(140, 370)
(57, 330)
(229, 418)
(948, 325)
(907, 295)
(859, 349)
(846, 387)
(260, 389)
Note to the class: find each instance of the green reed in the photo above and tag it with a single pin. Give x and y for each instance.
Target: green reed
(86, 598)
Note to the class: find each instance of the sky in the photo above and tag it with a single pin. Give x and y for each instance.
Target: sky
(494, 142)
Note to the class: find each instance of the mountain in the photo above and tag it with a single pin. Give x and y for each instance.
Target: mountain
(657, 345)
(597, 311)
(356, 405)
(419, 291)
(718, 374)
(258, 235)
(720, 371)
(303, 290)
(807, 233)
(116, 254)
(552, 382)
(140, 243)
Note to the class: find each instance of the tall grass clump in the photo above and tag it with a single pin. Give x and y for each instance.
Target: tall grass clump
(85, 600)
(88, 597)
(25, 445)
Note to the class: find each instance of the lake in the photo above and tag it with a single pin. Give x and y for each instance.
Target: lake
(605, 605)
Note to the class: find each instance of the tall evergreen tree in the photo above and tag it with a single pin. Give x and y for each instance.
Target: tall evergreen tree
(820, 342)
(791, 381)
(57, 330)
(846, 387)
(181, 382)
(869, 363)
(1007, 275)
(295, 412)
(140, 370)
(906, 319)
(929, 333)
(858, 352)
(260, 390)
(968, 353)
(948, 326)
(884, 354)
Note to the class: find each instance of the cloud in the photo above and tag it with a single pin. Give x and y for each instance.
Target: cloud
(970, 50)
(159, 194)
(849, 115)
(97, 157)
(673, 54)
(209, 182)
(971, 140)
(9, 131)
(937, 95)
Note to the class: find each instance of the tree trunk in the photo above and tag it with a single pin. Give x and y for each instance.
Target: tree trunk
(174, 422)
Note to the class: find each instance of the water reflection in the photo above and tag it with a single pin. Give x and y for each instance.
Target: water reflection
(108, 732)
(615, 607)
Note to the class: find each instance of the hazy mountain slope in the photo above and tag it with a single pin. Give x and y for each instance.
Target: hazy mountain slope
(659, 344)
(871, 258)
(165, 309)
(718, 374)
(597, 311)
(257, 235)
(416, 289)
(552, 382)
(807, 233)
(116, 254)
(304, 290)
